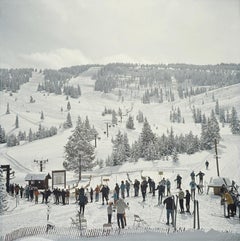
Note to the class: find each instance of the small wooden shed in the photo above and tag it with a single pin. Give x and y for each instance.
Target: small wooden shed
(217, 182)
(39, 180)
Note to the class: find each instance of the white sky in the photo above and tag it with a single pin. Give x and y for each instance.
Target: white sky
(60, 33)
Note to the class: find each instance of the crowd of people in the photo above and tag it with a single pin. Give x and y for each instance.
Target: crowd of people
(115, 199)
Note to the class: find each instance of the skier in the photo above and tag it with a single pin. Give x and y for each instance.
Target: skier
(150, 184)
(187, 197)
(105, 192)
(97, 191)
(109, 212)
(230, 204)
(117, 189)
(121, 206)
(127, 184)
(160, 189)
(181, 198)
(206, 164)
(168, 184)
(144, 186)
(136, 187)
(82, 200)
(192, 176)
(170, 206)
(153, 188)
(200, 174)
(193, 186)
(179, 181)
(91, 194)
(122, 187)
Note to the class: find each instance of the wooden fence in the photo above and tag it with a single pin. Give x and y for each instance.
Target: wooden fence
(74, 233)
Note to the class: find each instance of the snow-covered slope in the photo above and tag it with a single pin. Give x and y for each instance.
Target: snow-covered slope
(92, 104)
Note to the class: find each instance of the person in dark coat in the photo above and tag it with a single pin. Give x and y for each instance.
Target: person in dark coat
(63, 193)
(179, 181)
(187, 197)
(161, 190)
(170, 206)
(136, 187)
(127, 184)
(200, 174)
(82, 200)
(117, 189)
(105, 192)
(91, 194)
(144, 186)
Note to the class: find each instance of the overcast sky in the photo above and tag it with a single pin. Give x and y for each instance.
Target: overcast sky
(57, 33)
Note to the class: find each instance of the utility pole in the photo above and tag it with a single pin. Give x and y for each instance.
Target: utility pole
(95, 140)
(80, 168)
(41, 162)
(216, 157)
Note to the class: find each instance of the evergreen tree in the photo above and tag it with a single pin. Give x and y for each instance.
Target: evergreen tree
(146, 137)
(3, 194)
(140, 117)
(2, 135)
(68, 106)
(12, 140)
(114, 117)
(16, 122)
(120, 113)
(68, 123)
(217, 108)
(130, 123)
(42, 116)
(79, 152)
(30, 135)
(234, 122)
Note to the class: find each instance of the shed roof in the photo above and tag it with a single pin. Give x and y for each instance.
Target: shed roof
(219, 181)
(36, 176)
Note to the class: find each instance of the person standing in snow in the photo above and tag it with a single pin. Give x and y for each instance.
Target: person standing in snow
(136, 187)
(187, 197)
(105, 192)
(168, 185)
(200, 174)
(181, 198)
(160, 189)
(82, 200)
(109, 212)
(170, 206)
(121, 206)
(127, 187)
(144, 189)
(179, 181)
(122, 188)
(97, 191)
(193, 186)
(230, 203)
(117, 189)
(192, 176)
(206, 164)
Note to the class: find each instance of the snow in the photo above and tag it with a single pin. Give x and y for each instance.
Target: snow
(91, 104)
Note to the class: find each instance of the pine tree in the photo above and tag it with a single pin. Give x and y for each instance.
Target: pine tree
(130, 123)
(217, 108)
(68, 106)
(42, 116)
(68, 123)
(16, 122)
(30, 135)
(114, 117)
(79, 152)
(146, 137)
(2, 135)
(3, 194)
(234, 122)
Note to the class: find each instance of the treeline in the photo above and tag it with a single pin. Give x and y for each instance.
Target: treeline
(120, 75)
(12, 79)
(149, 146)
(56, 81)
(14, 140)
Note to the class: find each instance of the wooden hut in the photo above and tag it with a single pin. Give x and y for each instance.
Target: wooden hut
(217, 182)
(39, 180)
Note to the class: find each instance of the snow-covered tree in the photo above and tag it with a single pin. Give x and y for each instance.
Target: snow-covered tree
(234, 122)
(42, 116)
(17, 122)
(68, 123)
(79, 152)
(12, 140)
(68, 106)
(140, 117)
(114, 117)
(130, 123)
(2, 135)
(3, 194)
